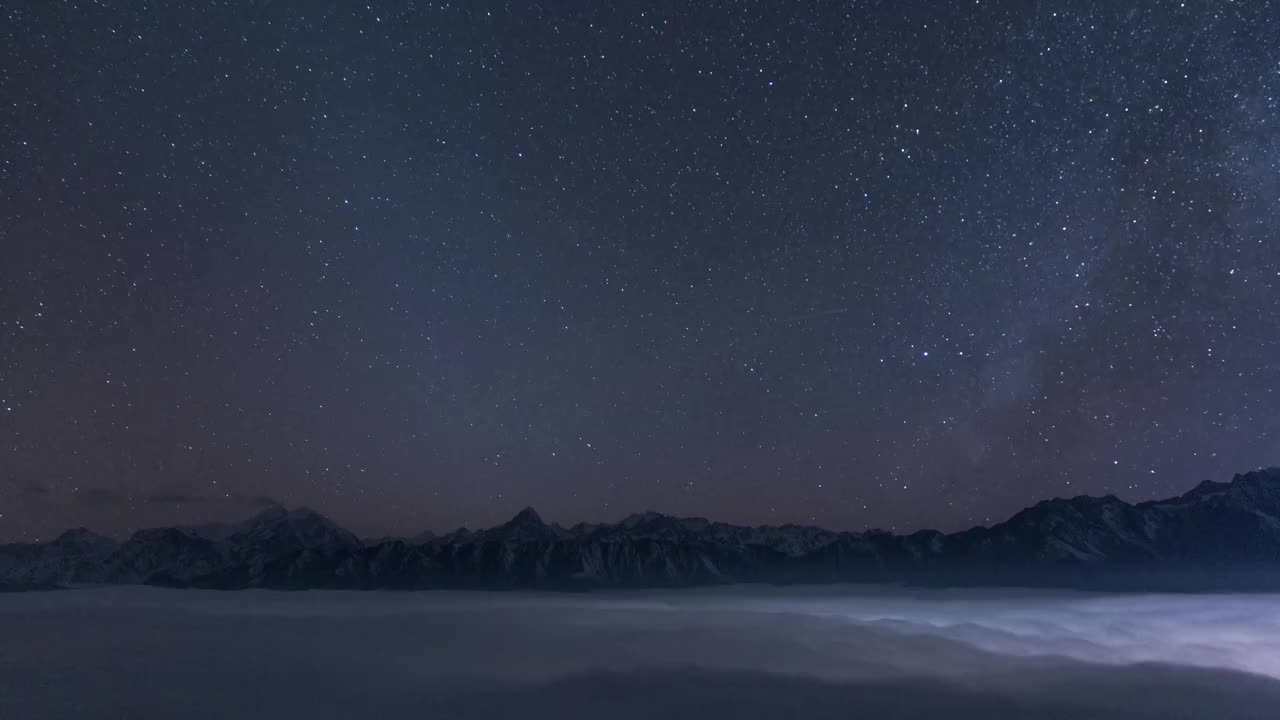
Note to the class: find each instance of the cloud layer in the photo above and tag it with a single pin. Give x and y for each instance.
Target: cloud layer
(737, 653)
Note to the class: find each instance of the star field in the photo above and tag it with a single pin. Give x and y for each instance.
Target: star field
(860, 264)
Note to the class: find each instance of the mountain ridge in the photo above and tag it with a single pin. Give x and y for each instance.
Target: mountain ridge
(1216, 535)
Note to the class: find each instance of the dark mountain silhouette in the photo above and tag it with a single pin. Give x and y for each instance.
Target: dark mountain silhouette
(1216, 536)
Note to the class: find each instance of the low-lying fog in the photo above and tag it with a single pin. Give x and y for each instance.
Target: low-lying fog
(732, 653)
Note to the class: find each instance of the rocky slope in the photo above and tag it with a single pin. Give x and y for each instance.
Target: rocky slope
(1217, 535)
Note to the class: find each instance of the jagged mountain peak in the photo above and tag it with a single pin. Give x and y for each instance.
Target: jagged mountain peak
(527, 524)
(1265, 481)
(279, 513)
(1207, 487)
(82, 535)
(662, 525)
(292, 530)
(1269, 474)
(647, 517)
(1233, 524)
(83, 542)
(269, 514)
(456, 535)
(1056, 510)
(528, 517)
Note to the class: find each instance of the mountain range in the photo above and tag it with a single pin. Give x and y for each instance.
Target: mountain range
(1216, 536)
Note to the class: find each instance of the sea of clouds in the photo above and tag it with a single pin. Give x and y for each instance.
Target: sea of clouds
(744, 652)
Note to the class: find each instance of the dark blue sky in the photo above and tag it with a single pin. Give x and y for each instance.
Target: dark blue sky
(893, 264)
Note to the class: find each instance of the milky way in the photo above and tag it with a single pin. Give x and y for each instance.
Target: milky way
(419, 265)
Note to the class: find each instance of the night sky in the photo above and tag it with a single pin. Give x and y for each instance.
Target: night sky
(418, 265)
